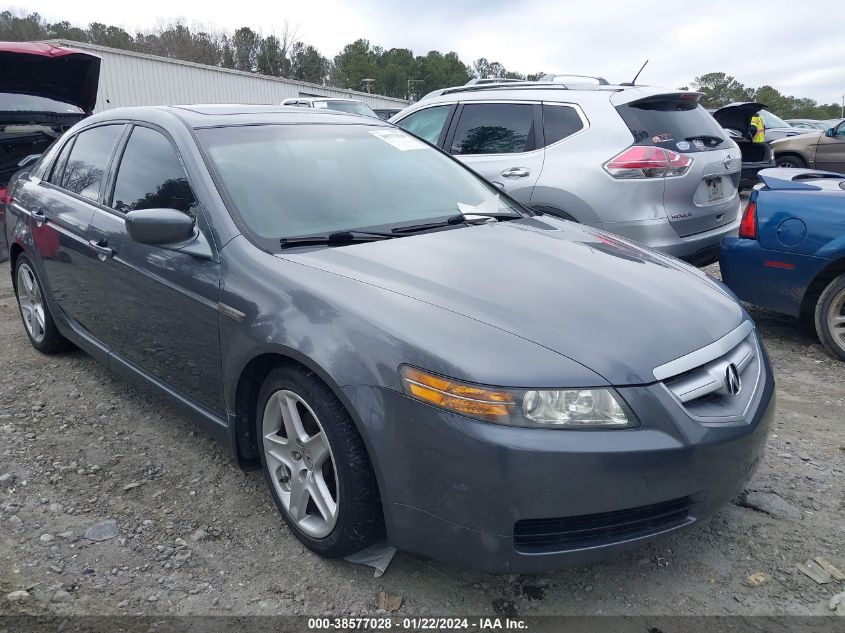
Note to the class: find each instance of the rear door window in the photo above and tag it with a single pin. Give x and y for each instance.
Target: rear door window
(560, 121)
(678, 124)
(59, 165)
(494, 128)
(151, 176)
(427, 123)
(88, 160)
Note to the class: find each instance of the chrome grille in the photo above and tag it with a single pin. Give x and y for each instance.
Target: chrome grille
(704, 391)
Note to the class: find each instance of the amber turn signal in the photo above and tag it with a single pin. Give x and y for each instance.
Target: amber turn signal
(456, 396)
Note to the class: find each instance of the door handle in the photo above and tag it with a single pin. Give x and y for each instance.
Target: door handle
(39, 216)
(516, 172)
(101, 248)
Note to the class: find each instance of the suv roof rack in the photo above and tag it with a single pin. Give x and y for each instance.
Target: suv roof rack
(477, 81)
(519, 85)
(552, 78)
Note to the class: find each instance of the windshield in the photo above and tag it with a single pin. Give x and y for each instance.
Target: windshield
(12, 102)
(353, 107)
(770, 120)
(294, 180)
(678, 124)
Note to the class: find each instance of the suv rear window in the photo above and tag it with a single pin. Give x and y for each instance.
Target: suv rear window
(560, 121)
(676, 124)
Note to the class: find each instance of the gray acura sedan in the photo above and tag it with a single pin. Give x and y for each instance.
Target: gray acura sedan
(406, 352)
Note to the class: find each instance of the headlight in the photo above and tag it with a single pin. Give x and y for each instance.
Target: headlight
(536, 408)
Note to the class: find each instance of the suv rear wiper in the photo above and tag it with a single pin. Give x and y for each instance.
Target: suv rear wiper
(339, 237)
(460, 218)
(713, 140)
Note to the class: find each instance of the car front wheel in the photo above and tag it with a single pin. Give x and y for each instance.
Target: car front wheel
(790, 160)
(830, 317)
(316, 465)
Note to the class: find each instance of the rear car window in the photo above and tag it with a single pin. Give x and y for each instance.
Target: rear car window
(353, 107)
(59, 165)
(771, 120)
(677, 124)
(560, 121)
(150, 176)
(427, 123)
(494, 128)
(88, 160)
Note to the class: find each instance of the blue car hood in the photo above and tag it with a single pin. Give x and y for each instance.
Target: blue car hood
(602, 301)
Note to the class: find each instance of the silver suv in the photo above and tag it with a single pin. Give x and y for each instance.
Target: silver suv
(645, 163)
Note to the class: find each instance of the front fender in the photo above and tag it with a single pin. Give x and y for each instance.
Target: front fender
(352, 333)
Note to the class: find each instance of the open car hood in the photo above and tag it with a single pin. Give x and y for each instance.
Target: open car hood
(55, 72)
(737, 116)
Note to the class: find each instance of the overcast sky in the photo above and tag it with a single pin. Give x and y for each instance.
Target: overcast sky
(797, 47)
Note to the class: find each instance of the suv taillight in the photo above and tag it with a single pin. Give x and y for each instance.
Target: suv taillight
(748, 224)
(647, 161)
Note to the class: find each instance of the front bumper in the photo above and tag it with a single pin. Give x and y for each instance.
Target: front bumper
(453, 488)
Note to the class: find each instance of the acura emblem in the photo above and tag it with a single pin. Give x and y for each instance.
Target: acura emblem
(733, 384)
(727, 162)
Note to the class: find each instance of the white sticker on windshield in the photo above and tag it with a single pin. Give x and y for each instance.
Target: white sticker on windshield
(401, 141)
(491, 205)
(321, 104)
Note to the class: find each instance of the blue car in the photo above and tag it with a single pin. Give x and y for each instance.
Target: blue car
(789, 256)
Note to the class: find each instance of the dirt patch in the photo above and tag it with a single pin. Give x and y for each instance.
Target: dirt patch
(192, 534)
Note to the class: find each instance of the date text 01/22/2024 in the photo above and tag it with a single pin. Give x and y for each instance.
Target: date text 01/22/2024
(416, 624)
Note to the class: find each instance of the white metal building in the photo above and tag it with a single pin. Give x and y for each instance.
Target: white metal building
(131, 79)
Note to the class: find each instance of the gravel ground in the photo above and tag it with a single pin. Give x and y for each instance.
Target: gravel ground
(186, 532)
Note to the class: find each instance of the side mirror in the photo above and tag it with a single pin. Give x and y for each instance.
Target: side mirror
(159, 226)
(829, 132)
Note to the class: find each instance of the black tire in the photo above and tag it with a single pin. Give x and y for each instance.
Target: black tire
(359, 521)
(52, 341)
(790, 160)
(831, 304)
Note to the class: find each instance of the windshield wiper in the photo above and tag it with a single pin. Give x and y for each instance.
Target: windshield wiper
(707, 138)
(339, 237)
(460, 218)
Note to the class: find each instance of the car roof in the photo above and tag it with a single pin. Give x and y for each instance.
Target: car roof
(224, 115)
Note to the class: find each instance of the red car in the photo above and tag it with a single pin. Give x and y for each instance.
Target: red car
(44, 89)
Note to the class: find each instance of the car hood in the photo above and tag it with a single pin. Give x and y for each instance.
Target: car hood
(737, 116)
(43, 70)
(800, 141)
(610, 305)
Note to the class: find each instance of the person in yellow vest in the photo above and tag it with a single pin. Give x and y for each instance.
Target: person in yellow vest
(760, 134)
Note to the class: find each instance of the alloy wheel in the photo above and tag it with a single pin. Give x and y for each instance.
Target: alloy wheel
(31, 303)
(836, 319)
(300, 462)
